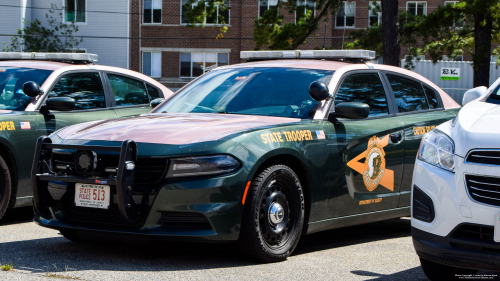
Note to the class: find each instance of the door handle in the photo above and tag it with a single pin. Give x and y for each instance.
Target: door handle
(396, 137)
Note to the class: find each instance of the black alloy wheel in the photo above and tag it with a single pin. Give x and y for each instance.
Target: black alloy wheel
(274, 215)
(5, 187)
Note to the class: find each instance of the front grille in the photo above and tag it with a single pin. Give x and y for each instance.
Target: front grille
(474, 232)
(185, 219)
(475, 237)
(484, 189)
(148, 170)
(111, 216)
(94, 216)
(489, 157)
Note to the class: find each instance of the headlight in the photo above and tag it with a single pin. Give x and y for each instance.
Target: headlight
(437, 149)
(202, 166)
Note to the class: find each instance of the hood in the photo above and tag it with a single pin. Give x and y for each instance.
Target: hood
(477, 126)
(165, 128)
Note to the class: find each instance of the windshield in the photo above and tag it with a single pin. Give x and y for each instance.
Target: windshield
(494, 97)
(11, 83)
(282, 92)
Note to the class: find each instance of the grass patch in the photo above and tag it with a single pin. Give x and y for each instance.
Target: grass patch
(7, 267)
(58, 274)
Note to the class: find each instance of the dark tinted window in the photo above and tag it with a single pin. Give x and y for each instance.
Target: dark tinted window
(253, 91)
(128, 91)
(408, 93)
(153, 92)
(365, 88)
(495, 96)
(431, 97)
(12, 80)
(85, 88)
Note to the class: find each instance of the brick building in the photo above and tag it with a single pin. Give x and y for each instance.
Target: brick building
(174, 53)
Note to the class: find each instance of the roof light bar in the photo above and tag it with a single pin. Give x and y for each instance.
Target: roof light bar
(48, 56)
(313, 54)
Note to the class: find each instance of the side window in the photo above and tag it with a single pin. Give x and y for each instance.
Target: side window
(431, 97)
(128, 91)
(153, 92)
(408, 93)
(366, 88)
(85, 88)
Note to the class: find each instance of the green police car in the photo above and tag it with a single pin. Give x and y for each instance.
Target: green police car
(260, 153)
(43, 92)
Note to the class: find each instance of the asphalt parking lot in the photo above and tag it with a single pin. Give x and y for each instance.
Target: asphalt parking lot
(381, 251)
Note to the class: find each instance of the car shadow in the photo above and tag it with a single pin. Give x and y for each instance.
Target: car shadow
(417, 273)
(40, 255)
(347, 236)
(17, 215)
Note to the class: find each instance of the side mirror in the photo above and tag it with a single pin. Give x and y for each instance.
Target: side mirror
(60, 104)
(319, 91)
(154, 103)
(473, 94)
(352, 110)
(31, 89)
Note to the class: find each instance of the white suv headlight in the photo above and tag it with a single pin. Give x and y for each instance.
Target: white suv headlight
(437, 149)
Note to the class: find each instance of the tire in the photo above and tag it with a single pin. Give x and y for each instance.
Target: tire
(272, 238)
(436, 271)
(5, 187)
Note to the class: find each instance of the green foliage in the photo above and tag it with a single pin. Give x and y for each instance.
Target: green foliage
(270, 31)
(449, 31)
(367, 39)
(58, 37)
(6, 267)
(200, 12)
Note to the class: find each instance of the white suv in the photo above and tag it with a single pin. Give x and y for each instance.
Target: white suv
(456, 190)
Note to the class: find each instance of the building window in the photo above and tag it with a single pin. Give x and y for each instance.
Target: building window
(346, 15)
(456, 58)
(220, 16)
(75, 11)
(414, 58)
(195, 64)
(374, 14)
(152, 11)
(417, 8)
(456, 23)
(303, 8)
(265, 5)
(151, 64)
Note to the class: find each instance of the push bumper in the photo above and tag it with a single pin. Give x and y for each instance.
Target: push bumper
(466, 253)
(202, 209)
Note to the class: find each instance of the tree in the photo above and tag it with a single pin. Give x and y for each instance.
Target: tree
(468, 27)
(37, 38)
(480, 20)
(390, 34)
(269, 29)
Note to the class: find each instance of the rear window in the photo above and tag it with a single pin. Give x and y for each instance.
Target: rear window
(409, 94)
(12, 80)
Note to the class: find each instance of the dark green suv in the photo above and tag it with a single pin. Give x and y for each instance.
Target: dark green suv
(71, 90)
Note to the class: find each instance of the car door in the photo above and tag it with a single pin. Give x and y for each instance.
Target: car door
(420, 109)
(371, 149)
(131, 96)
(91, 101)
